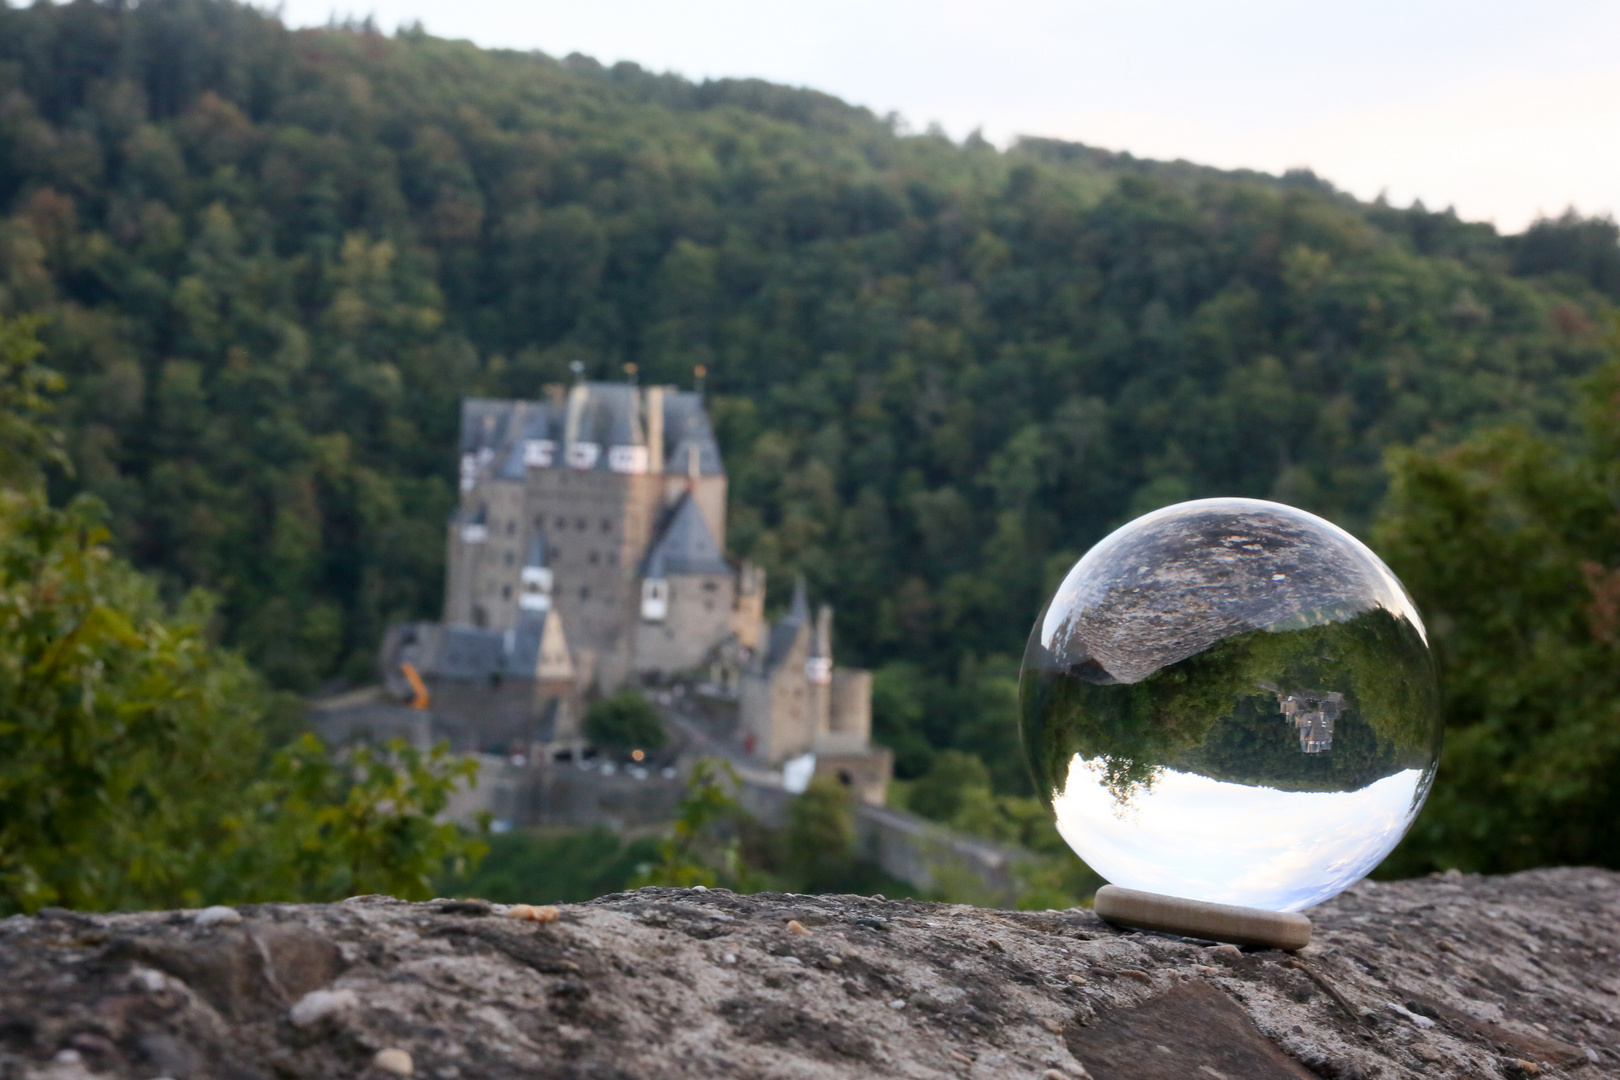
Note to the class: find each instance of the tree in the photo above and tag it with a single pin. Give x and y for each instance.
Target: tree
(27, 443)
(702, 846)
(623, 722)
(820, 837)
(940, 792)
(274, 262)
(1510, 544)
(132, 768)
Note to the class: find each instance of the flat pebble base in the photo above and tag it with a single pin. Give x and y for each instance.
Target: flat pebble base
(1198, 919)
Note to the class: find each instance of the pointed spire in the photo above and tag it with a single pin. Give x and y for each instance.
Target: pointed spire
(799, 610)
(821, 643)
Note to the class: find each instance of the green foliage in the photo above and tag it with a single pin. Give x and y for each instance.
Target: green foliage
(553, 868)
(130, 751)
(131, 746)
(27, 443)
(714, 842)
(273, 263)
(956, 791)
(820, 838)
(940, 792)
(624, 721)
(1509, 543)
(702, 847)
(319, 828)
(125, 738)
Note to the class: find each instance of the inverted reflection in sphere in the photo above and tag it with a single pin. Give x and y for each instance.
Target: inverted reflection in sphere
(1231, 700)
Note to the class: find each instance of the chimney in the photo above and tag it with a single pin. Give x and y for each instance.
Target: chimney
(655, 429)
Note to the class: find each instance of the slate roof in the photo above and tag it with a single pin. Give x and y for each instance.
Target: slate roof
(786, 631)
(685, 545)
(610, 415)
(471, 652)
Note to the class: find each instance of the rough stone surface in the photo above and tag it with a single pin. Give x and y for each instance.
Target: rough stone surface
(1443, 977)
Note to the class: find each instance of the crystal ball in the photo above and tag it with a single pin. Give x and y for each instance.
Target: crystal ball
(1231, 700)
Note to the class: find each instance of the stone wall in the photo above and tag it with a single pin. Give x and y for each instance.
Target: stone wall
(1444, 978)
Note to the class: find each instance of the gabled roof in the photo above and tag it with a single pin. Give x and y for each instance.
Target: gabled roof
(607, 413)
(788, 629)
(685, 545)
(687, 430)
(533, 649)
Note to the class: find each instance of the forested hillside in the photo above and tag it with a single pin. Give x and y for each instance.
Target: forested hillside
(272, 263)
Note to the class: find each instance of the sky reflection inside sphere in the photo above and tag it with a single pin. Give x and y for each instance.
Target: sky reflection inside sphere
(1234, 844)
(1231, 700)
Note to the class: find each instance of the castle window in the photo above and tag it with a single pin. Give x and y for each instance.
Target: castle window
(593, 558)
(607, 525)
(511, 527)
(506, 592)
(507, 558)
(579, 523)
(709, 586)
(654, 599)
(562, 523)
(584, 592)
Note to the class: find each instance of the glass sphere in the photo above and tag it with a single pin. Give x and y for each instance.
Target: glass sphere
(1231, 700)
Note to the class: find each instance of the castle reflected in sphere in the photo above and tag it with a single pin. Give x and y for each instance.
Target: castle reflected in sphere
(1231, 700)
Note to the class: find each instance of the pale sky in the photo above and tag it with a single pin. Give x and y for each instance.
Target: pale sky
(1503, 110)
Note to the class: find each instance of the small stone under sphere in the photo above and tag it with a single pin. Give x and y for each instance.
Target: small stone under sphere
(1231, 700)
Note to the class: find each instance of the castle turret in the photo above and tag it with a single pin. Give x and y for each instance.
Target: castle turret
(794, 702)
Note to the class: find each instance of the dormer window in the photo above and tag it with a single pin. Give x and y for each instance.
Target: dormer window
(628, 459)
(654, 599)
(536, 595)
(583, 455)
(469, 472)
(538, 453)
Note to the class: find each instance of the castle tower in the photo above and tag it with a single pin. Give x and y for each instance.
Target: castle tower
(795, 701)
(582, 474)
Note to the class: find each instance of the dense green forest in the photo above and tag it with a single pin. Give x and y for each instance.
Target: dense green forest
(270, 263)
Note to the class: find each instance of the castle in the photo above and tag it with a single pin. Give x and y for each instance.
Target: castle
(587, 553)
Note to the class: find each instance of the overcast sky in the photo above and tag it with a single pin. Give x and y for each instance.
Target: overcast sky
(1503, 110)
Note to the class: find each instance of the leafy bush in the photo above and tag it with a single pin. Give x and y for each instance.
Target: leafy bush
(553, 868)
(952, 779)
(132, 748)
(702, 845)
(624, 721)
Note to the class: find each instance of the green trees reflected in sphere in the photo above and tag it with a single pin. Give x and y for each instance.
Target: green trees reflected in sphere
(1231, 700)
